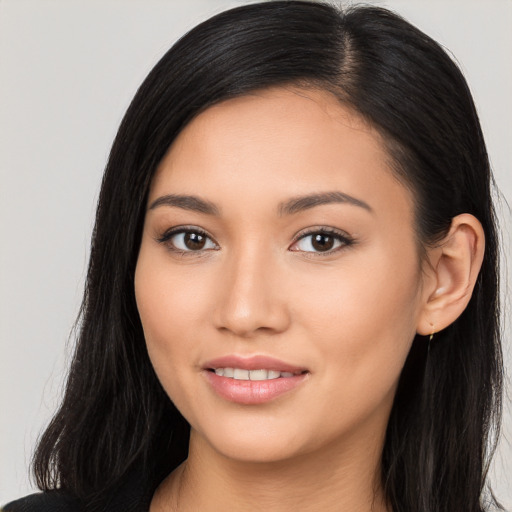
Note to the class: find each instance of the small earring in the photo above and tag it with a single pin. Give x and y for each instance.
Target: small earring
(430, 337)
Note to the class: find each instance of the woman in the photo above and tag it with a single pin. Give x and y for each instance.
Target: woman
(292, 297)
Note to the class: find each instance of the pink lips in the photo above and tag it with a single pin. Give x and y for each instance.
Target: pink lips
(251, 392)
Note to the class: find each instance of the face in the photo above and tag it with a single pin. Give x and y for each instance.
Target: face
(278, 245)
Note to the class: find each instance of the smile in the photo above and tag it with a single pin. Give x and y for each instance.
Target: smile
(253, 380)
(242, 374)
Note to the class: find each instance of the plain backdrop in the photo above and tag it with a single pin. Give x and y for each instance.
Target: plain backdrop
(68, 70)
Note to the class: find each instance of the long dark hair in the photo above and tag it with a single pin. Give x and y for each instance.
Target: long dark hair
(115, 416)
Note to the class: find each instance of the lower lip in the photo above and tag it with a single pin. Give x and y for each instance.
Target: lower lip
(251, 392)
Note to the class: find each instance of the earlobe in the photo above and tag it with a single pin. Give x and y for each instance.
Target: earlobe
(454, 266)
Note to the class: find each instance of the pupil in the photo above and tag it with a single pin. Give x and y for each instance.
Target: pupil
(194, 241)
(322, 242)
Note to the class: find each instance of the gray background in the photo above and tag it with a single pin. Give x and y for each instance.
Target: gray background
(68, 70)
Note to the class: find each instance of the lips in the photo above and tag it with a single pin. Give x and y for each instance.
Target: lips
(256, 362)
(260, 374)
(252, 380)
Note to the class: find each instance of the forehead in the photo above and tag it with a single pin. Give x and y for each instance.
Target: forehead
(312, 118)
(275, 143)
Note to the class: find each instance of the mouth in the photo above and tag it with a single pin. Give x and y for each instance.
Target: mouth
(253, 380)
(253, 375)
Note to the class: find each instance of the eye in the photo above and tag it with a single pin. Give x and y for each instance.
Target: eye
(194, 240)
(322, 241)
(187, 240)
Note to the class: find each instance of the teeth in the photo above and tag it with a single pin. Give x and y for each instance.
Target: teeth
(258, 374)
(240, 374)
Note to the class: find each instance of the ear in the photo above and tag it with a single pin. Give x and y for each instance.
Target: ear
(453, 267)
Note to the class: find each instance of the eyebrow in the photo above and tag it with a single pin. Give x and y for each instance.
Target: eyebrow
(289, 207)
(297, 204)
(186, 202)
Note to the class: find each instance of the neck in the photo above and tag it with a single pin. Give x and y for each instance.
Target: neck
(338, 478)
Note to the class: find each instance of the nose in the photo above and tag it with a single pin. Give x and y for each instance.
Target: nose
(253, 298)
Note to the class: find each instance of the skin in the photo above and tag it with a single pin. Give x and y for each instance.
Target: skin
(348, 315)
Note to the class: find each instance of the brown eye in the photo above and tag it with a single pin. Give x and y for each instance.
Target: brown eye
(187, 240)
(322, 241)
(194, 241)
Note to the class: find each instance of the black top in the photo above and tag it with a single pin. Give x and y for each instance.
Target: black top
(132, 496)
(53, 501)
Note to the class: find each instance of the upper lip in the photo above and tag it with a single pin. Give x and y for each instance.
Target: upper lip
(255, 362)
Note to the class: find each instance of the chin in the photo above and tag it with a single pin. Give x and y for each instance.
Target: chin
(249, 451)
(267, 440)
(257, 443)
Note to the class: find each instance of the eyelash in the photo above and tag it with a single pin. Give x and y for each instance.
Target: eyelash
(340, 236)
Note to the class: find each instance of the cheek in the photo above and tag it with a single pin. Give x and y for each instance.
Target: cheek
(168, 305)
(363, 317)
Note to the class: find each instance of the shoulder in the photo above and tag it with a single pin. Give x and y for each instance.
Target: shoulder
(132, 494)
(52, 501)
